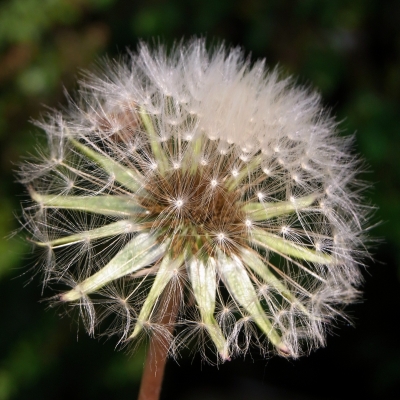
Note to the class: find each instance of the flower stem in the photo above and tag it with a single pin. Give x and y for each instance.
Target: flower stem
(153, 373)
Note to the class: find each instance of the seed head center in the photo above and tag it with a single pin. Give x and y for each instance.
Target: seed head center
(193, 205)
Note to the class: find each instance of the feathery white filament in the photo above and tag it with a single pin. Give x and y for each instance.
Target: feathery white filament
(184, 172)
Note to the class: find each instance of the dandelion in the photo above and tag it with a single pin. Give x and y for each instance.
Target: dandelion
(197, 196)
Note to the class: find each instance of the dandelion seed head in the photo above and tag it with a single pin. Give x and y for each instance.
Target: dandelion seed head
(182, 177)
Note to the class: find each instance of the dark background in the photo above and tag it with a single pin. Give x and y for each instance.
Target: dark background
(348, 50)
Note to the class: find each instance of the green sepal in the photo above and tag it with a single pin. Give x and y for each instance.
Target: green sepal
(115, 228)
(253, 261)
(239, 285)
(280, 245)
(192, 156)
(128, 177)
(167, 270)
(140, 252)
(117, 206)
(159, 154)
(265, 211)
(234, 181)
(203, 278)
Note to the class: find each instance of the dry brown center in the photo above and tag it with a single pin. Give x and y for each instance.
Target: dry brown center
(192, 205)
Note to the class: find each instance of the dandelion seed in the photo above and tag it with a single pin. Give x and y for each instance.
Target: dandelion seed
(221, 237)
(180, 179)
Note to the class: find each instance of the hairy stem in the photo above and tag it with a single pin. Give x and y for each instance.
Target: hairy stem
(153, 373)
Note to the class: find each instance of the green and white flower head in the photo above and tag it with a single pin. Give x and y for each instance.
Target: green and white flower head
(200, 180)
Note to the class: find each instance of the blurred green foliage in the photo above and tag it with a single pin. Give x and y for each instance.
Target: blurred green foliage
(350, 51)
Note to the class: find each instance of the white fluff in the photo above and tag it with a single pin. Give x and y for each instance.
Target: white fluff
(231, 172)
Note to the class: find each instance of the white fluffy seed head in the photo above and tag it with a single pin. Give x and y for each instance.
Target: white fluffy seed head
(176, 174)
